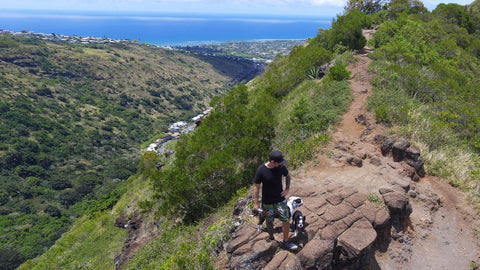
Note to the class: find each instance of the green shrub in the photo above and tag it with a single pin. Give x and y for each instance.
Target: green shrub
(373, 197)
(423, 90)
(382, 114)
(339, 72)
(346, 31)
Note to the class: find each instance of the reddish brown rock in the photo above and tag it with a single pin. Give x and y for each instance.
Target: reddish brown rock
(398, 204)
(356, 242)
(317, 254)
(284, 260)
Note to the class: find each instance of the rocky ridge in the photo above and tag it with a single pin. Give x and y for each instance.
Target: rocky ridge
(368, 205)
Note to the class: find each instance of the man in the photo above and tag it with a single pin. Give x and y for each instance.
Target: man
(273, 195)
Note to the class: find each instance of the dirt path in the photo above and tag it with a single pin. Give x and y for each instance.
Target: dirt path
(441, 232)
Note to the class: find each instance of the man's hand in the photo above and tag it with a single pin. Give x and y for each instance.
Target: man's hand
(285, 192)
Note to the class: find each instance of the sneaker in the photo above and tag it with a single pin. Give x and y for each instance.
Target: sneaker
(270, 238)
(289, 245)
(260, 228)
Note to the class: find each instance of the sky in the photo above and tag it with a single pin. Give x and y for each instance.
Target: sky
(265, 7)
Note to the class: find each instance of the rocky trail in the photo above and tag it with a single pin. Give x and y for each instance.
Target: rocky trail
(365, 206)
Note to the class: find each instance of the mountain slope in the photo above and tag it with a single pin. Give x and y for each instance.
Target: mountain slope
(72, 118)
(437, 236)
(440, 233)
(414, 79)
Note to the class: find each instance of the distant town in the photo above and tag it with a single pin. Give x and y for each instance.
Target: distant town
(258, 51)
(64, 38)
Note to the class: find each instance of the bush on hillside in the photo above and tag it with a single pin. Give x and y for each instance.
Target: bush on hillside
(346, 31)
(285, 73)
(425, 87)
(339, 72)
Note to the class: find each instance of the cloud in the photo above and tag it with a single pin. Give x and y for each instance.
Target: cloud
(285, 7)
(336, 3)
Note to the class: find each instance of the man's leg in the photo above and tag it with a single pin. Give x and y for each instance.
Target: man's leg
(285, 218)
(285, 230)
(270, 229)
(269, 217)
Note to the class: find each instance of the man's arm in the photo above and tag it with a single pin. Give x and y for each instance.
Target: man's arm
(287, 185)
(256, 193)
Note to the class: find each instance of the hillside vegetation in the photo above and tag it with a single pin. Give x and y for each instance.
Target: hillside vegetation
(72, 118)
(426, 88)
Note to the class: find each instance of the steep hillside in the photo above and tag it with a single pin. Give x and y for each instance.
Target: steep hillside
(352, 222)
(367, 169)
(72, 118)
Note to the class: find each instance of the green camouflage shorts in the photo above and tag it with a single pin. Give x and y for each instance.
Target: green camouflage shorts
(279, 210)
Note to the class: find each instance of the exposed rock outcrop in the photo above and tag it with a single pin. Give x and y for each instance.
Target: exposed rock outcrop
(341, 229)
(344, 225)
(132, 225)
(401, 150)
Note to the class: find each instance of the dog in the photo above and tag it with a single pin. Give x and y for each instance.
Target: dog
(292, 203)
(298, 222)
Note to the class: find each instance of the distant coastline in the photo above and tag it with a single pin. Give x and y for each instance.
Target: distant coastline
(164, 29)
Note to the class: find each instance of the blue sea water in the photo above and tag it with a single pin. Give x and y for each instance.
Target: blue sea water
(167, 29)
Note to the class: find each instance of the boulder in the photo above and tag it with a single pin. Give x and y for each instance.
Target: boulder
(347, 192)
(315, 224)
(408, 172)
(398, 204)
(284, 260)
(399, 149)
(382, 220)
(355, 161)
(412, 153)
(254, 254)
(121, 221)
(243, 235)
(417, 165)
(240, 204)
(379, 138)
(356, 242)
(386, 146)
(317, 254)
(375, 161)
(403, 182)
(385, 190)
(361, 119)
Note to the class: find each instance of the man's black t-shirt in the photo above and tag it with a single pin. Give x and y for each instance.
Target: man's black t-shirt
(272, 183)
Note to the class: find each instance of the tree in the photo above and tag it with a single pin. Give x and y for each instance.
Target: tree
(347, 31)
(397, 7)
(457, 14)
(10, 258)
(366, 6)
(218, 158)
(58, 183)
(68, 197)
(53, 211)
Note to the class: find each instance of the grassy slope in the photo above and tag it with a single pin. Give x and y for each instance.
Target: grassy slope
(77, 113)
(158, 255)
(92, 242)
(171, 246)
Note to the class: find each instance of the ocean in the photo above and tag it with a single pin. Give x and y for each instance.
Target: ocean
(167, 29)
